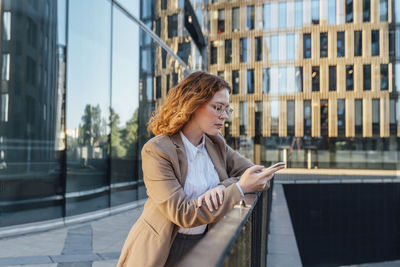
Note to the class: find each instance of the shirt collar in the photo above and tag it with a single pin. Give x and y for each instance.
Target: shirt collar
(190, 149)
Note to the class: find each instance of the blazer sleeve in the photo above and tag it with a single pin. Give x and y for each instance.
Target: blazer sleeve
(166, 192)
(236, 164)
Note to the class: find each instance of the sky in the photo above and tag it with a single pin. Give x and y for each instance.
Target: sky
(89, 58)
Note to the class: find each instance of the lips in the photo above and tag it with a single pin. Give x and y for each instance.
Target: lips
(219, 126)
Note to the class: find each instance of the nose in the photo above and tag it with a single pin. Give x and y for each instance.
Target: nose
(224, 115)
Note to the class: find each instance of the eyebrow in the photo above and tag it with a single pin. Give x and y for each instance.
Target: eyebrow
(222, 103)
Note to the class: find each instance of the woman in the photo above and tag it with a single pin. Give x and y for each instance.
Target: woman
(186, 163)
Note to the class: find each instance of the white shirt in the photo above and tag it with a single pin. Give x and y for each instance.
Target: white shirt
(201, 176)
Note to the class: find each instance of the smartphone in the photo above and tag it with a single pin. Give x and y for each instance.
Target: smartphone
(278, 164)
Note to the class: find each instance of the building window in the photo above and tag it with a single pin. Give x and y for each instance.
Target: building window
(235, 19)
(168, 83)
(358, 43)
(235, 82)
(324, 119)
(367, 77)
(375, 43)
(307, 45)
(274, 113)
(258, 48)
(184, 50)
(290, 111)
(358, 114)
(164, 4)
(221, 74)
(384, 77)
(258, 118)
(221, 21)
(332, 12)
(349, 78)
(158, 87)
(5, 68)
(323, 39)
(158, 27)
(213, 53)
(392, 41)
(164, 58)
(172, 26)
(315, 78)
(228, 51)
(7, 25)
(243, 49)
(315, 11)
(250, 17)
(340, 44)
(341, 117)
(307, 117)
(299, 79)
(332, 78)
(383, 10)
(366, 10)
(174, 79)
(243, 117)
(376, 112)
(298, 13)
(290, 46)
(267, 16)
(392, 117)
(274, 52)
(266, 81)
(250, 81)
(4, 107)
(282, 78)
(349, 11)
(282, 15)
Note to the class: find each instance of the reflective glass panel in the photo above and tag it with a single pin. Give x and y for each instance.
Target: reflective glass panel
(332, 12)
(358, 43)
(367, 77)
(315, 11)
(375, 43)
(250, 81)
(267, 16)
(307, 45)
(298, 13)
(282, 15)
(340, 44)
(88, 109)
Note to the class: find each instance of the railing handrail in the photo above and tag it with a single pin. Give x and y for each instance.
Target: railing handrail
(216, 245)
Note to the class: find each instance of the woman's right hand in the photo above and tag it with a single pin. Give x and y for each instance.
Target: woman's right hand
(255, 178)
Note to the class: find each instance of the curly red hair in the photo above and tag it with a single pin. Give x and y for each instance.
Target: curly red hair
(183, 100)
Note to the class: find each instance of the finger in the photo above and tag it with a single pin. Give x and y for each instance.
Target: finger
(200, 200)
(214, 199)
(255, 168)
(208, 202)
(221, 196)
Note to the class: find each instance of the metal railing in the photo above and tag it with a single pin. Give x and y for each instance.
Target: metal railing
(239, 238)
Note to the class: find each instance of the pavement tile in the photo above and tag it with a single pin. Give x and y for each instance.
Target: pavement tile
(75, 258)
(12, 261)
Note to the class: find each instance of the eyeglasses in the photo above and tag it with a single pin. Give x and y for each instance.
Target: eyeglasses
(219, 110)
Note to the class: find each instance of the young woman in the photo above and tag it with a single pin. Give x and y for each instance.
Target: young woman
(192, 176)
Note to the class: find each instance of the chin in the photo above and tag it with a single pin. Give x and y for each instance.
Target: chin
(213, 132)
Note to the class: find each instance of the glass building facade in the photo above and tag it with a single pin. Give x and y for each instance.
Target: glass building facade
(315, 83)
(327, 81)
(79, 82)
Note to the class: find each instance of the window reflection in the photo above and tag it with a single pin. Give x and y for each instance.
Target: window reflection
(375, 43)
(358, 114)
(315, 11)
(88, 110)
(366, 10)
(332, 12)
(274, 112)
(267, 16)
(235, 19)
(250, 81)
(235, 82)
(307, 45)
(282, 15)
(358, 43)
(367, 77)
(349, 78)
(340, 44)
(383, 10)
(250, 17)
(298, 13)
(266, 81)
(332, 78)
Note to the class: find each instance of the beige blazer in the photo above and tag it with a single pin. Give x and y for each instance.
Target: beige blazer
(165, 166)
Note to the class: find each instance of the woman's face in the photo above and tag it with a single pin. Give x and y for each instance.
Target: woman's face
(208, 118)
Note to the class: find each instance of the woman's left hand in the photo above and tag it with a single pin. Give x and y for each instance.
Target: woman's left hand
(210, 197)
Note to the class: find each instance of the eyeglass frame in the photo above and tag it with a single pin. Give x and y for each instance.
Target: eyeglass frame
(228, 109)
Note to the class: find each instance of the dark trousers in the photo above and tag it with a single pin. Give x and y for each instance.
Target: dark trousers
(181, 245)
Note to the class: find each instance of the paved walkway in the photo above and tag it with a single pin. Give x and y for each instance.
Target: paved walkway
(94, 244)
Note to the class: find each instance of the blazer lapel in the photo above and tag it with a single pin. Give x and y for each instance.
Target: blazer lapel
(180, 151)
(216, 158)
